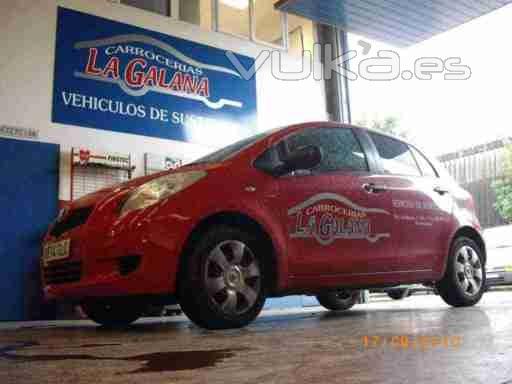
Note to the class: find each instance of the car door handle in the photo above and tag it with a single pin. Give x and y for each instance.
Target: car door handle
(441, 191)
(374, 188)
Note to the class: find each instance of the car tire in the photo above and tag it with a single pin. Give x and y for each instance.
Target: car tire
(112, 314)
(399, 293)
(464, 281)
(338, 301)
(223, 281)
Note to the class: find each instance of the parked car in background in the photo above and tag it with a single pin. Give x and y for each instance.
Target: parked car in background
(321, 208)
(499, 251)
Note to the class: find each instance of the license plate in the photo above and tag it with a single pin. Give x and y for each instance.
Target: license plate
(56, 251)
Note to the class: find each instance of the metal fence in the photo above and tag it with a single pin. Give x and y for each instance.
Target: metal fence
(476, 169)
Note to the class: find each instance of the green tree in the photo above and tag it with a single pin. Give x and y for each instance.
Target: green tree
(389, 125)
(503, 187)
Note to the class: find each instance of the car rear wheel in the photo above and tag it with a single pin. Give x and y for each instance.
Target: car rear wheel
(398, 293)
(112, 314)
(222, 283)
(339, 300)
(463, 284)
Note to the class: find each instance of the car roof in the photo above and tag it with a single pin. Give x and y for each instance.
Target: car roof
(334, 124)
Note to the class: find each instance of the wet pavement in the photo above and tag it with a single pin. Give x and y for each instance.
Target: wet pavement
(417, 340)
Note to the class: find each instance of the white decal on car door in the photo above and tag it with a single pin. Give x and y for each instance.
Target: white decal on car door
(327, 217)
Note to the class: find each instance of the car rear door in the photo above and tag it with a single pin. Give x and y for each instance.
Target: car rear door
(438, 206)
(421, 206)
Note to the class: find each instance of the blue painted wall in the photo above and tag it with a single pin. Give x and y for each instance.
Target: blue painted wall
(28, 203)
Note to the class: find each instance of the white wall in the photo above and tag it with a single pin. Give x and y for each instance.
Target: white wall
(28, 30)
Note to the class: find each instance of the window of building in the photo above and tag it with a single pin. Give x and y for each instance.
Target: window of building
(198, 12)
(255, 20)
(426, 168)
(268, 23)
(161, 7)
(340, 149)
(301, 36)
(395, 155)
(233, 17)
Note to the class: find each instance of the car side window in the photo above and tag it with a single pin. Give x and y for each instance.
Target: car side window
(395, 155)
(340, 149)
(426, 168)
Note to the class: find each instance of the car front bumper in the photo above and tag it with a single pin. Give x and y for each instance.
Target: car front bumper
(123, 261)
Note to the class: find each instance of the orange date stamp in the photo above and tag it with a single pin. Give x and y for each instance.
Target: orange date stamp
(406, 342)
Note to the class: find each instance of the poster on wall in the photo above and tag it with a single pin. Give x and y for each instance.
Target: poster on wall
(84, 157)
(117, 77)
(154, 163)
(92, 170)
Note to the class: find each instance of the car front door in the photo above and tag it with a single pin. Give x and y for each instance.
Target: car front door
(335, 223)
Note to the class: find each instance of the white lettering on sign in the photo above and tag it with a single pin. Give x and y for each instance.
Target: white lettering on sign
(94, 103)
(140, 111)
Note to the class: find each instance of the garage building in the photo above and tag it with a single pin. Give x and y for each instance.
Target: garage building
(97, 92)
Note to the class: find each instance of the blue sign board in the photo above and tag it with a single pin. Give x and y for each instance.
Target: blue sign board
(117, 77)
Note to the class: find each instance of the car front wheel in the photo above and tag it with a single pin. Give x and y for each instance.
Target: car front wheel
(339, 300)
(463, 284)
(222, 282)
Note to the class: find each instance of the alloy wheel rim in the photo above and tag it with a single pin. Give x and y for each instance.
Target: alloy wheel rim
(469, 270)
(232, 277)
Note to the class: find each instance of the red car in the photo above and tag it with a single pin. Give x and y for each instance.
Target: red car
(321, 209)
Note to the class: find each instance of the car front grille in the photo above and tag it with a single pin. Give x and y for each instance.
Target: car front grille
(63, 272)
(73, 219)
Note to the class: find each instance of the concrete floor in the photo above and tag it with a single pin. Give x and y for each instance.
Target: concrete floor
(446, 345)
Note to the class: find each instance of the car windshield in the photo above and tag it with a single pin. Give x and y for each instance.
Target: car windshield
(231, 150)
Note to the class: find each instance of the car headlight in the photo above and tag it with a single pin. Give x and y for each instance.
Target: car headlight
(158, 189)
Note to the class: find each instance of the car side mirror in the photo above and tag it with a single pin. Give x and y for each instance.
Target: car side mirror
(303, 158)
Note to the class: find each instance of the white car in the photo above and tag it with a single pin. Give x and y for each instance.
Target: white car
(499, 255)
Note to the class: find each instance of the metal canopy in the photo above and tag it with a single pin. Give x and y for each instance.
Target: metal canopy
(398, 22)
